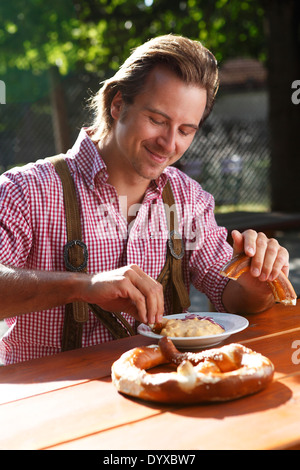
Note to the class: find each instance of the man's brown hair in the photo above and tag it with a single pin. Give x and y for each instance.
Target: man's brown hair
(188, 59)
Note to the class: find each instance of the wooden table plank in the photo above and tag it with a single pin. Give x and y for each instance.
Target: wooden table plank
(283, 350)
(69, 413)
(278, 318)
(268, 420)
(95, 406)
(259, 221)
(71, 402)
(61, 370)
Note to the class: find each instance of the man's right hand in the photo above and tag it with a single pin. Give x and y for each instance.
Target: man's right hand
(128, 289)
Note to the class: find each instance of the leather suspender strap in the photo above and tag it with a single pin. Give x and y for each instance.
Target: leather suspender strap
(75, 256)
(172, 270)
(116, 324)
(75, 251)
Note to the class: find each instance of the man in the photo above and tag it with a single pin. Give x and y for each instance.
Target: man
(146, 116)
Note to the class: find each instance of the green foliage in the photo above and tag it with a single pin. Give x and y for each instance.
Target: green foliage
(35, 34)
(97, 35)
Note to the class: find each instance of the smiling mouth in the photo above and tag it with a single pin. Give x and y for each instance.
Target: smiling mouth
(157, 157)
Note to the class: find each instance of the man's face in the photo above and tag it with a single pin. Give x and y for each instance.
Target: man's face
(158, 127)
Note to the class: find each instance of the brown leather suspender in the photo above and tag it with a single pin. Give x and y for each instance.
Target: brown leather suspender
(172, 270)
(76, 256)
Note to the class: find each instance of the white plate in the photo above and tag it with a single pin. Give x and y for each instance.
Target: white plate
(231, 323)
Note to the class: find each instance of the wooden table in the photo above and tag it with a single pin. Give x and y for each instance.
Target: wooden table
(267, 222)
(67, 401)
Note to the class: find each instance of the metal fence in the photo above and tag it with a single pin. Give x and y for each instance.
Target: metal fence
(230, 158)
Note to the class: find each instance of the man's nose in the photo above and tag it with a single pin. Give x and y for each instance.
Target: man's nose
(167, 140)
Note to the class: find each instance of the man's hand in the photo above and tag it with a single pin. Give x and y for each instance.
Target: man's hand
(251, 293)
(129, 290)
(268, 257)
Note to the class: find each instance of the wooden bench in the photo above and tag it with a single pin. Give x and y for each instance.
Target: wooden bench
(267, 222)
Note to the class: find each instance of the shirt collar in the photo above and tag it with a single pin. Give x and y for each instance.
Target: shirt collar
(87, 159)
(160, 182)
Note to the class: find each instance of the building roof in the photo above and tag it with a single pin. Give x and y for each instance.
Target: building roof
(242, 73)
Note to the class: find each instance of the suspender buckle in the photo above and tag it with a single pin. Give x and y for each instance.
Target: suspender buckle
(172, 235)
(69, 265)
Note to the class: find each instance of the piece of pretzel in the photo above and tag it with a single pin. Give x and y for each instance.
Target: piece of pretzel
(282, 288)
(219, 374)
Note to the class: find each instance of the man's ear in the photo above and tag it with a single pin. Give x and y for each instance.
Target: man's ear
(116, 105)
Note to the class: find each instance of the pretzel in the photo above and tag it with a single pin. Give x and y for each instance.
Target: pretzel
(219, 374)
(281, 287)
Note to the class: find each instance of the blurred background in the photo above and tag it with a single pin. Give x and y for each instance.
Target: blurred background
(54, 56)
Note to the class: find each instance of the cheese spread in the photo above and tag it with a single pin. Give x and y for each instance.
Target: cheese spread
(188, 327)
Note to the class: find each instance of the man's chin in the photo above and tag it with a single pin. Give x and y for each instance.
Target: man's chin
(151, 173)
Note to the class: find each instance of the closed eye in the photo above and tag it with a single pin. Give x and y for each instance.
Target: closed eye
(188, 132)
(155, 121)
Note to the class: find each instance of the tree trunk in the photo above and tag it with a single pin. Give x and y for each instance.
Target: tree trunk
(284, 70)
(59, 113)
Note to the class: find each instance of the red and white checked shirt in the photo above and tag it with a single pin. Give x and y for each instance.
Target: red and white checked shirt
(33, 234)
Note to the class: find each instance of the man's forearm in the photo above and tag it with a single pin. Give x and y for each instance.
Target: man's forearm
(127, 289)
(23, 291)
